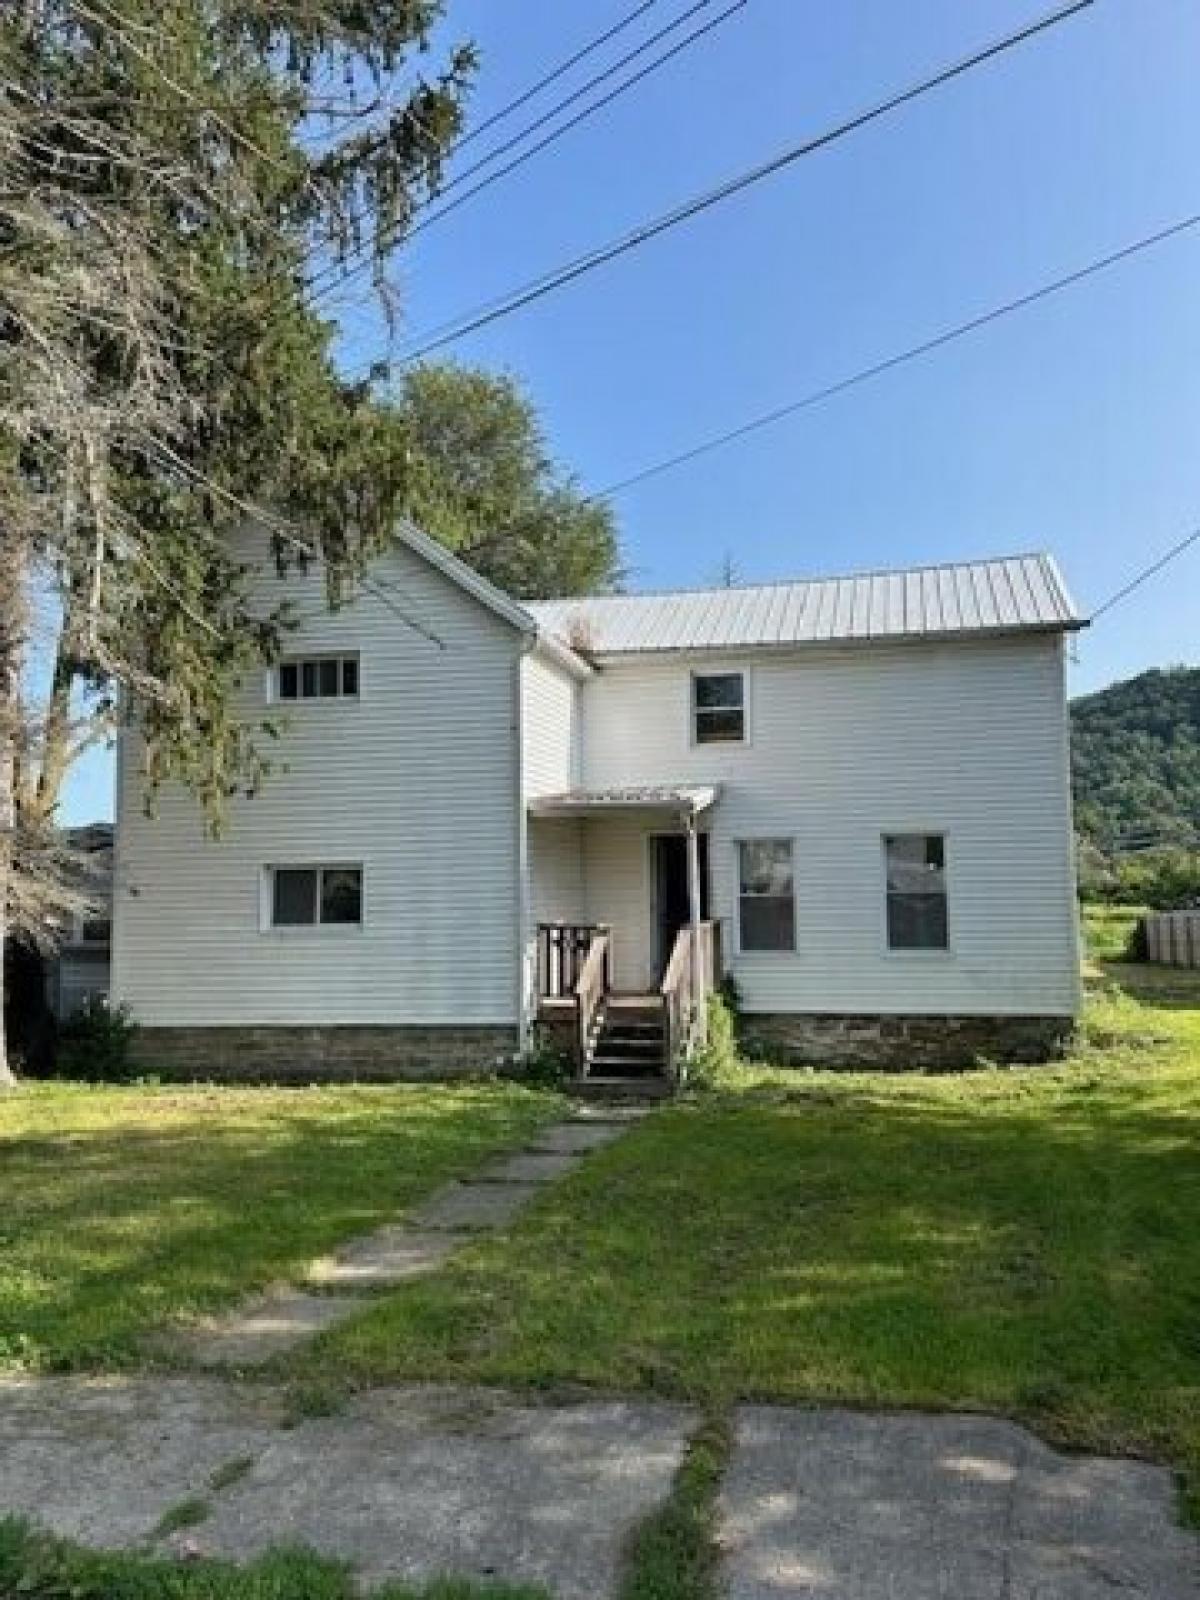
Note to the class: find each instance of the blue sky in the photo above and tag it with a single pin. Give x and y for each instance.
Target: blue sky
(1073, 426)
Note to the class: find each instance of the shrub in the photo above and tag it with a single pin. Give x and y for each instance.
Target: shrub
(545, 1064)
(94, 1045)
(716, 1062)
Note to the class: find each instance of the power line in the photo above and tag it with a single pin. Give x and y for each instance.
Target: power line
(914, 352)
(335, 275)
(588, 111)
(1147, 573)
(515, 300)
(555, 73)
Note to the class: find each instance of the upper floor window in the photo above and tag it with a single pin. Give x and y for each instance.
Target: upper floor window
(718, 707)
(766, 895)
(317, 678)
(303, 897)
(916, 891)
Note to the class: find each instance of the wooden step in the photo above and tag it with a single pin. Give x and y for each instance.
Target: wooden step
(624, 1090)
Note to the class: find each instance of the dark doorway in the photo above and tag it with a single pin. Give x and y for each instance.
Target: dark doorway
(668, 856)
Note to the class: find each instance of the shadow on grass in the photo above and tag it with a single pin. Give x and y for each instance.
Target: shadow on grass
(1021, 1242)
(114, 1228)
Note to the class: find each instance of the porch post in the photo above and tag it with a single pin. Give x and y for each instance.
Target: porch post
(699, 999)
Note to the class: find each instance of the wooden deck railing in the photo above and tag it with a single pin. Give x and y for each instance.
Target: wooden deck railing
(562, 950)
(684, 1001)
(575, 969)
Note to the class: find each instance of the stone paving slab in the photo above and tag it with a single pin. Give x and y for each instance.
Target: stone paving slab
(570, 1138)
(101, 1460)
(379, 1260)
(854, 1506)
(532, 1166)
(417, 1482)
(469, 1207)
(267, 1327)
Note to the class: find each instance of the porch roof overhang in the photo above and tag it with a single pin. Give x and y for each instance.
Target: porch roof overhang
(682, 798)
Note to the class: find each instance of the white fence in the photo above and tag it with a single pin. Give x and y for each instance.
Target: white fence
(1173, 938)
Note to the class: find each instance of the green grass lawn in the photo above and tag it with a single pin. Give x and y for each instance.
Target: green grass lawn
(124, 1209)
(1023, 1241)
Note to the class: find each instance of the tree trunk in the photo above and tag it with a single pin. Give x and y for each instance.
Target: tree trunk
(13, 596)
(56, 740)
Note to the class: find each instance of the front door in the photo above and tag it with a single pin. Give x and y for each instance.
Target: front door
(668, 857)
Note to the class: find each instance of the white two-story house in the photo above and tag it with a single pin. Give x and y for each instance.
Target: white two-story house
(848, 796)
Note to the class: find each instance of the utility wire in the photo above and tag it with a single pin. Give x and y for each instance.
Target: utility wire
(1146, 574)
(580, 116)
(515, 300)
(913, 353)
(555, 74)
(337, 275)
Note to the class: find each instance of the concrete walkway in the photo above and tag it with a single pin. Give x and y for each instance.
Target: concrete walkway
(422, 1480)
(847, 1505)
(337, 1288)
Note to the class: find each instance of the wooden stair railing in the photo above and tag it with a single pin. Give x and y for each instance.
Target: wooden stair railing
(685, 1007)
(591, 991)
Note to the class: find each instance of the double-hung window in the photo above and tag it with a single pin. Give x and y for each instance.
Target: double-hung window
(916, 891)
(766, 895)
(305, 897)
(317, 678)
(718, 707)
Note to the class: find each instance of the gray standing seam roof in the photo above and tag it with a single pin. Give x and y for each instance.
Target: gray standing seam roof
(1008, 594)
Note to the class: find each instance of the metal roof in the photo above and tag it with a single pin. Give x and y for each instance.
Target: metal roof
(1008, 594)
(637, 797)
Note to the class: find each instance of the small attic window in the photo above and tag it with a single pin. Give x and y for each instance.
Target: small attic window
(317, 678)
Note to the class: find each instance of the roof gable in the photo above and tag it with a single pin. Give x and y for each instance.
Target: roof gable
(465, 577)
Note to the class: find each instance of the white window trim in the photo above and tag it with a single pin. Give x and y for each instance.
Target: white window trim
(739, 949)
(276, 699)
(720, 671)
(946, 952)
(289, 930)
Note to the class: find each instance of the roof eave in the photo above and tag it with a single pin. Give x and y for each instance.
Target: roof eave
(558, 651)
(494, 599)
(790, 646)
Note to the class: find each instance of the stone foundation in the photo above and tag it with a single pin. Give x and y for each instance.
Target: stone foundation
(349, 1053)
(896, 1043)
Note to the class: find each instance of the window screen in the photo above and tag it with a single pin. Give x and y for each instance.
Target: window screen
(766, 895)
(305, 896)
(719, 707)
(294, 896)
(916, 891)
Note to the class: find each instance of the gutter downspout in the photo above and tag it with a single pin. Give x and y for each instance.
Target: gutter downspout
(528, 645)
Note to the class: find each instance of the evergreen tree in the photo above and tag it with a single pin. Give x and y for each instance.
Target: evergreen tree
(171, 174)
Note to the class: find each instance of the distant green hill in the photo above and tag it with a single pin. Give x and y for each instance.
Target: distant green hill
(1136, 762)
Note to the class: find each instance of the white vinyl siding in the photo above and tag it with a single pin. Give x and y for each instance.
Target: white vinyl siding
(551, 729)
(419, 786)
(551, 752)
(967, 739)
